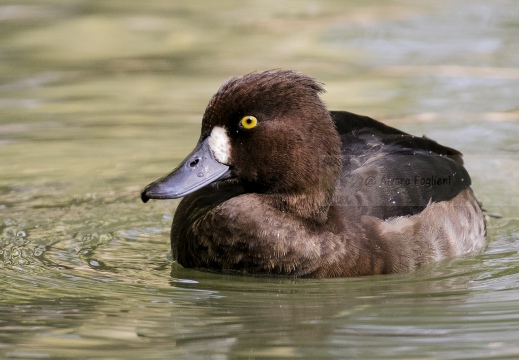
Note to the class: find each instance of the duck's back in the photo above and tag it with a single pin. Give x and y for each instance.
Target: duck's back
(387, 172)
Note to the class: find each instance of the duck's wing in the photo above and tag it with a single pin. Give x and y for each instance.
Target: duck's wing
(387, 172)
(347, 123)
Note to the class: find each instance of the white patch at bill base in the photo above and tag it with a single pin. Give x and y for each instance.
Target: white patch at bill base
(220, 144)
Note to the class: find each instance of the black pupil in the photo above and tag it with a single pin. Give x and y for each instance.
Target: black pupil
(249, 121)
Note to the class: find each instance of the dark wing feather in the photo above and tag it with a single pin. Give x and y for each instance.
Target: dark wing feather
(347, 123)
(388, 173)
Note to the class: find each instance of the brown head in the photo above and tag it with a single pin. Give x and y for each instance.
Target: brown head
(277, 138)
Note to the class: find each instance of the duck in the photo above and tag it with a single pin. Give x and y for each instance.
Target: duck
(278, 185)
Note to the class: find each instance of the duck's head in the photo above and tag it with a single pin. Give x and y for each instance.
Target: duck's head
(271, 132)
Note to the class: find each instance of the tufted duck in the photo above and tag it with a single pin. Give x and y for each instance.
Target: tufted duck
(279, 185)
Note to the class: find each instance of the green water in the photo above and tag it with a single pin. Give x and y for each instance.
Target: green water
(99, 98)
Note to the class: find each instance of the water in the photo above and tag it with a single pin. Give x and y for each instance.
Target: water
(97, 99)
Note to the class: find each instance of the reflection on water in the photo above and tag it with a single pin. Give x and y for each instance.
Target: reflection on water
(99, 98)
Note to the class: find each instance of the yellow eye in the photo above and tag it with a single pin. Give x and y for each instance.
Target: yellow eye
(248, 122)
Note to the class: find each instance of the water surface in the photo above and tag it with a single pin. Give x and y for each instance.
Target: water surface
(97, 99)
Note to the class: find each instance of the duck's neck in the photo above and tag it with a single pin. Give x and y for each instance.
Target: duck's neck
(313, 202)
